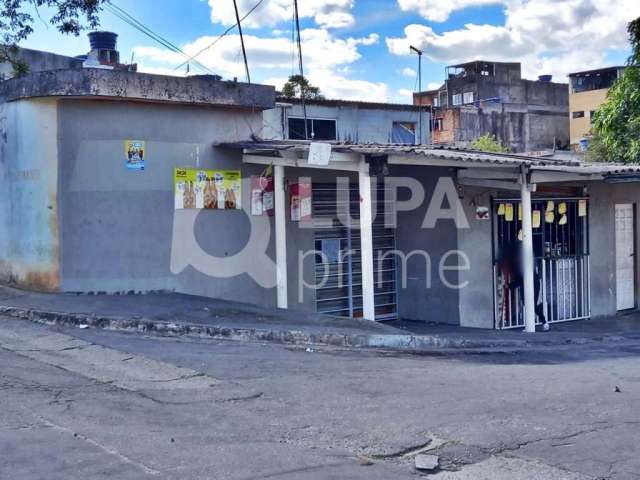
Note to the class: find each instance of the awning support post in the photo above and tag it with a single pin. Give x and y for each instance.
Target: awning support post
(527, 254)
(366, 243)
(281, 237)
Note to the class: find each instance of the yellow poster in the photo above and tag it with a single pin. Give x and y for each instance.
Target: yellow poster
(519, 212)
(550, 206)
(549, 217)
(207, 189)
(582, 208)
(501, 209)
(562, 208)
(508, 212)
(134, 152)
(536, 219)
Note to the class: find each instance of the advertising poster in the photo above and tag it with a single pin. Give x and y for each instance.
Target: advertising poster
(134, 151)
(207, 189)
(300, 200)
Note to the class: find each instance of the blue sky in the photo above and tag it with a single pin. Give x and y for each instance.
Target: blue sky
(358, 49)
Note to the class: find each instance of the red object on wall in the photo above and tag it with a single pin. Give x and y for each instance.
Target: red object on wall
(262, 196)
(300, 200)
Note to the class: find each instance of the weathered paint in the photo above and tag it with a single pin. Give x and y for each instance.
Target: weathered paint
(29, 240)
(354, 123)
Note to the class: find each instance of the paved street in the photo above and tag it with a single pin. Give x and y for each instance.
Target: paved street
(95, 404)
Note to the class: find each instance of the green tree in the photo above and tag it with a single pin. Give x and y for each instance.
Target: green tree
(488, 143)
(16, 22)
(298, 84)
(616, 127)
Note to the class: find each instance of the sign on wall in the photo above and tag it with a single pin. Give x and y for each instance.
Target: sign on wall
(207, 189)
(134, 151)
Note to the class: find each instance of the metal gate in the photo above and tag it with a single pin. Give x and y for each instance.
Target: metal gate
(338, 273)
(561, 251)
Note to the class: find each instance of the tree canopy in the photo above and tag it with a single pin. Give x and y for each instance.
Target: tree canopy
(616, 127)
(298, 84)
(17, 17)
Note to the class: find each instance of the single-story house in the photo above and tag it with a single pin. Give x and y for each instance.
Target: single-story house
(114, 181)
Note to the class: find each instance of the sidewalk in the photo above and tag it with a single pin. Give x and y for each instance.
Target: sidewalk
(183, 315)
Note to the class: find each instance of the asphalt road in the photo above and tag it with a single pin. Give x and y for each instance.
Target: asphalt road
(94, 404)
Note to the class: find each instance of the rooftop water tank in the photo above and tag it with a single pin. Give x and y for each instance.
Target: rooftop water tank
(103, 40)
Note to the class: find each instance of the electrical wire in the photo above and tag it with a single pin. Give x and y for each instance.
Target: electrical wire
(138, 25)
(223, 34)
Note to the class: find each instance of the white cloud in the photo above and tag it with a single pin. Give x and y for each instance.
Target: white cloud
(326, 13)
(405, 94)
(439, 11)
(545, 35)
(409, 72)
(327, 61)
(320, 50)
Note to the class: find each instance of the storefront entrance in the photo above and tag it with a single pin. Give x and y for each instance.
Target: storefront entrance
(338, 274)
(561, 251)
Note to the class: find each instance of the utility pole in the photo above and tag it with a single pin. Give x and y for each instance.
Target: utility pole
(302, 92)
(244, 52)
(419, 52)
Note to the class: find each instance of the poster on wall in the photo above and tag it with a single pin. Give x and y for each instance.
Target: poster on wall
(207, 189)
(134, 151)
(300, 200)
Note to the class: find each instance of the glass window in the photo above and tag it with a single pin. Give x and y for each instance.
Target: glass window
(578, 114)
(468, 97)
(403, 132)
(457, 99)
(317, 129)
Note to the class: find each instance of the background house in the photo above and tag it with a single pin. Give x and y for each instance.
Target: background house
(492, 97)
(588, 90)
(346, 121)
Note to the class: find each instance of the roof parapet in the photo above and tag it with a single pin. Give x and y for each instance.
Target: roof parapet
(124, 85)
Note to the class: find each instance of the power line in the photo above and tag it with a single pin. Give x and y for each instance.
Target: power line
(138, 25)
(244, 52)
(223, 34)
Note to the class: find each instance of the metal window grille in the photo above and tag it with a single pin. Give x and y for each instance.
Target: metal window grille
(561, 251)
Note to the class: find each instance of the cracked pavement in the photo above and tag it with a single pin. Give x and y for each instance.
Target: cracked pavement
(96, 404)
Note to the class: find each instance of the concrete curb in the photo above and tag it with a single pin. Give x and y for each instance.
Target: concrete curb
(408, 343)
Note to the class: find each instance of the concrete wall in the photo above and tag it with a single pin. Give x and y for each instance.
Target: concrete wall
(603, 198)
(519, 127)
(422, 300)
(354, 124)
(29, 243)
(119, 227)
(40, 61)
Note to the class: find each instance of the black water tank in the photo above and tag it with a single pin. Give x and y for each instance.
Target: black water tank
(103, 40)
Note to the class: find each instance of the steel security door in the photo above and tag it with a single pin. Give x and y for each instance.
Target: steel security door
(625, 257)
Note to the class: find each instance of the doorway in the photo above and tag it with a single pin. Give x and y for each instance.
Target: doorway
(338, 269)
(625, 256)
(562, 259)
